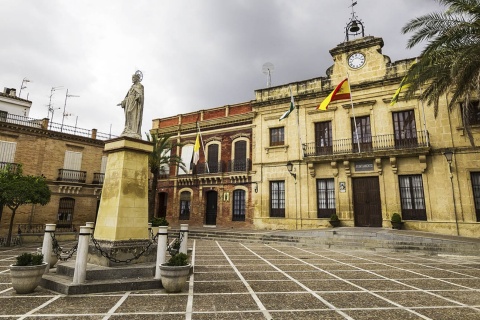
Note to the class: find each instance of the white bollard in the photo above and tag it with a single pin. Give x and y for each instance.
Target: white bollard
(184, 234)
(80, 273)
(47, 246)
(162, 236)
(90, 224)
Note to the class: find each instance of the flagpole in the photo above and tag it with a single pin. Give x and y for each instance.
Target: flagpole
(353, 112)
(298, 123)
(203, 146)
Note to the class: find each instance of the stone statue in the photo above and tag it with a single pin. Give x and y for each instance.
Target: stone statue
(133, 107)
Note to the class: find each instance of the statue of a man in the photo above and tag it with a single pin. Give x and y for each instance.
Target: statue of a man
(133, 107)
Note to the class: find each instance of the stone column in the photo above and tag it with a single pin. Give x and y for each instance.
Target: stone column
(184, 234)
(80, 273)
(47, 247)
(162, 237)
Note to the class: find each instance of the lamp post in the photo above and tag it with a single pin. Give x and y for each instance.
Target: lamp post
(291, 170)
(449, 157)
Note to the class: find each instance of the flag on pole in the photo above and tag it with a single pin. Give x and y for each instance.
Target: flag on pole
(402, 86)
(341, 92)
(292, 107)
(196, 150)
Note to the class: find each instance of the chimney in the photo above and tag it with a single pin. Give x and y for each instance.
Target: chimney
(10, 92)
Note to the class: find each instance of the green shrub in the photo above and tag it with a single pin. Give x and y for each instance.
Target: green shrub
(396, 218)
(334, 217)
(159, 222)
(180, 259)
(29, 259)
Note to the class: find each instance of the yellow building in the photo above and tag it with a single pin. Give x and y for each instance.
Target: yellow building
(363, 159)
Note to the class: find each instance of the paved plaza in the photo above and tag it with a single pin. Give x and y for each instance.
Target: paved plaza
(235, 280)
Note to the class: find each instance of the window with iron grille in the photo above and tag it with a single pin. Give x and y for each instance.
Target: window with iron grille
(238, 205)
(412, 198)
(213, 158)
(476, 192)
(277, 199)
(240, 160)
(277, 137)
(185, 200)
(65, 212)
(325, 198)
(323, 137)
(404, 128)
(361, 134)
(472, 112)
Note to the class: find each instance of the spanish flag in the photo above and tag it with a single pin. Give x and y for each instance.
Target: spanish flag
(341, 92)
(196, 150)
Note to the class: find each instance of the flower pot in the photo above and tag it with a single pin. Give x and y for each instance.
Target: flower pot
(174, 277)
(334, 223)
(26, 278)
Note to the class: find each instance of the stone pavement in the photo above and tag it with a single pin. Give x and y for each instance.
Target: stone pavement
(248, 280)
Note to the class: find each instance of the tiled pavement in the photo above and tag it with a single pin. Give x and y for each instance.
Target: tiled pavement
(234, 280)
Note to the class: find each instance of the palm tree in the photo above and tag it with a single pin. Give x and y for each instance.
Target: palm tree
(159, 160)
(449, 64)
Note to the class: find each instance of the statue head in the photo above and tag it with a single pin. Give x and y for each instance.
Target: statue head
(137, 76)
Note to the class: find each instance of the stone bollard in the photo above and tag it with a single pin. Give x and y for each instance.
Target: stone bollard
(184, 233)
(162, 236)
(80, 273)
(90, 224)
(47, 247)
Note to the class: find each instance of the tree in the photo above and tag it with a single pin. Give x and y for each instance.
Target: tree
(17, 189)
(160, 159)
(449, 63)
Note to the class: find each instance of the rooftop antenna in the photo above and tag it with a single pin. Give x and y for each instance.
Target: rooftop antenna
(267, 69)
(354, 26)
(23, 86)
(50, 106)
(64, 114)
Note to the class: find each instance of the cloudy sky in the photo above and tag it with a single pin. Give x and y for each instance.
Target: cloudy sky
(194, 55)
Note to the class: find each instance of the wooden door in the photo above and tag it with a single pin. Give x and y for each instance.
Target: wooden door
(211, 209)
(366, 202)
(162, 205)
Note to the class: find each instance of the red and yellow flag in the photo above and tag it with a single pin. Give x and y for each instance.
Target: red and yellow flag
(341, 92)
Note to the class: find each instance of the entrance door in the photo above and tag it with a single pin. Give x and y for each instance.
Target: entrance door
(162, 205)
(211, 210)
(366, 202)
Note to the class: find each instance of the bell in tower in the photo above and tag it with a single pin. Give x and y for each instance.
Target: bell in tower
(354, 26)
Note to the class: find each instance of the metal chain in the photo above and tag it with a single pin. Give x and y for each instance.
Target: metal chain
(173, 246)
(105, 254)
(58, 250)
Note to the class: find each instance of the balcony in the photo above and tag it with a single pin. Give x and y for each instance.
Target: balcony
(72, 175)
(98, 178)
(377, 144)
(239, 165)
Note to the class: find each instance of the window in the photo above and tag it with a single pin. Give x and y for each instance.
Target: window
(65, 212)
(238, 205)
(277, 137)
(473, 113)
(7, 151)
(186, 155)
(404, 128)
(212, 158)
(72, 164)
(325, 198)
(361, 134)
(240, 156)
(277, 199)
(185, 200)
(323, 138)
(412, 198)
(476, 192)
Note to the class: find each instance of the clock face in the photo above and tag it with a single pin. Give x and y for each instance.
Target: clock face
(356, 60)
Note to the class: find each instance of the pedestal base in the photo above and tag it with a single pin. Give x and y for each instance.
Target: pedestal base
(115, 253)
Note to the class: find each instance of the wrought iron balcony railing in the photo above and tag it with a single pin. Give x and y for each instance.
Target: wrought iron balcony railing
(9, 165)
(71, 175)
(239, 165)
(374, 143)
(211, 167)
(98, 178)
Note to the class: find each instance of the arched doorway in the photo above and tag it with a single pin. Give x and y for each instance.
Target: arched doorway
(211, 208)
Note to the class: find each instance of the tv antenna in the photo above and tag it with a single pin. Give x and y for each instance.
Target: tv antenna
(267, 69)
(64, 106)
(50, 106)
(23, 86)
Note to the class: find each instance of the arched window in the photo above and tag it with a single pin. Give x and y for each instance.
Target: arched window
(185, 201)
(239, 204)
(65, 212)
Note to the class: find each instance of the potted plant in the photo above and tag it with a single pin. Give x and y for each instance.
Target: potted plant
(396, 221)
(334, 221)
(27, 273)
(174, 273)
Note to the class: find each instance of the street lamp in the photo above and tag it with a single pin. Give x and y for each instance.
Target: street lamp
(449, 156)
(291, 170)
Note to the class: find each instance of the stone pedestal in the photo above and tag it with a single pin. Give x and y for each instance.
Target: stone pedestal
(122, 251)
(121, 228)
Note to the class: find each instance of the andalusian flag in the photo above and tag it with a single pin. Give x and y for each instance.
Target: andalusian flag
(403, 85)
(292, 107)
(341, 92)
(196, 150)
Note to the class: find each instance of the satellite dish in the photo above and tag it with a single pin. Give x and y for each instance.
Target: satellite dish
(267, 69)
